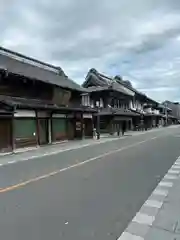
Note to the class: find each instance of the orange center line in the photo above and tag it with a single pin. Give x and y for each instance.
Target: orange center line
(78, 164)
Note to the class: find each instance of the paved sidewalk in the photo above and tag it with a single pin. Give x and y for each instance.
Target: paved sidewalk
(27, 154)
(50, 150)
(159, 217)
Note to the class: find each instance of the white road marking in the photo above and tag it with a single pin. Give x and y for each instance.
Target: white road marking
(160, 192)
(10, 162)
(153, 203)
(165, 184)
(100, 156)
(177, 163)
(170, 177)
(143, 219)
(176, 167)
(10, 188)
(174, 171)
(129, 236)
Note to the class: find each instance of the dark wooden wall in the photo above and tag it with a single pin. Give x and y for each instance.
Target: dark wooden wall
(19, 86)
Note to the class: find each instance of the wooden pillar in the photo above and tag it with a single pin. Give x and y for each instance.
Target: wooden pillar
(37, 129)
(50, 129)
(12, 132)
(82, 126)
(98, 130)
(131, 125)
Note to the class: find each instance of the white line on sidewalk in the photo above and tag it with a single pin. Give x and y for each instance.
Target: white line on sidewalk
(176, 167)
(165, 184)
(153, 203)
(174, 171)
(170, 177)
(129, 236)
(145, 220)
(161, 192)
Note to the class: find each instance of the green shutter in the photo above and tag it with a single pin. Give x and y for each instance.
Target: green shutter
(24, 128)
(59, 128)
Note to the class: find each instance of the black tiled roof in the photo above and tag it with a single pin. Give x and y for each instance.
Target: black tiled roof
(22, 65)
(129, 86)
(101, 82)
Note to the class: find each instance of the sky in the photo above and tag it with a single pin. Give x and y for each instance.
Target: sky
(139, 39)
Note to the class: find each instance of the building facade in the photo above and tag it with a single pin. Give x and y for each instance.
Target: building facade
(111, 99)
(39, 104)
(175, 108)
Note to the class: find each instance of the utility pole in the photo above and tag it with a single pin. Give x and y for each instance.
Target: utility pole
(166, 114)
(98, 125)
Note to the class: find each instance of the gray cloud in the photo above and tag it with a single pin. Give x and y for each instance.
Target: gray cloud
(117, 37)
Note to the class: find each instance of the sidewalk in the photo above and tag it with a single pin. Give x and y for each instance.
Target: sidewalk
(27, 154)
(159, 217)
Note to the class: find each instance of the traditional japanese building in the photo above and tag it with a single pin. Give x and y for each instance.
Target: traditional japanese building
(152, 116)
(111, 99)
(171, 112)
(119, 103)
(39, 104)
(148, 109)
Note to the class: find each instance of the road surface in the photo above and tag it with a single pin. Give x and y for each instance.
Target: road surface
(83, 194)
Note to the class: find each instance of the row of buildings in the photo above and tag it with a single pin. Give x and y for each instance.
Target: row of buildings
(40, 104)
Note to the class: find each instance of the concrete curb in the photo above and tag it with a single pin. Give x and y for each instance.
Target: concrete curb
(143, 222)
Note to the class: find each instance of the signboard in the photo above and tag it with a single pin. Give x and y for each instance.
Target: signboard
(59, 115)
(24, 113)
(87, 115)
(78, 126)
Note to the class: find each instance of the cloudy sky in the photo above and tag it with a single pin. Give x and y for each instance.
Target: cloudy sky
(137, 39)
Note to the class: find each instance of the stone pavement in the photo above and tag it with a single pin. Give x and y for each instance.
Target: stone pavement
(159, 217)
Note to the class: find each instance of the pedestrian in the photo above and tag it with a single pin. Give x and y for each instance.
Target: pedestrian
(123, 128)
(118, 130)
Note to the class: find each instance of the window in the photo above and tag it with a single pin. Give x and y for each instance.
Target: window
(101, 103)
(92, 103)
(97, 103)
(115, 103)
(85, 100)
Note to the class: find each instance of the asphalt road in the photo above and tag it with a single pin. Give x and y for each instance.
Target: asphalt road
(88, 193)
